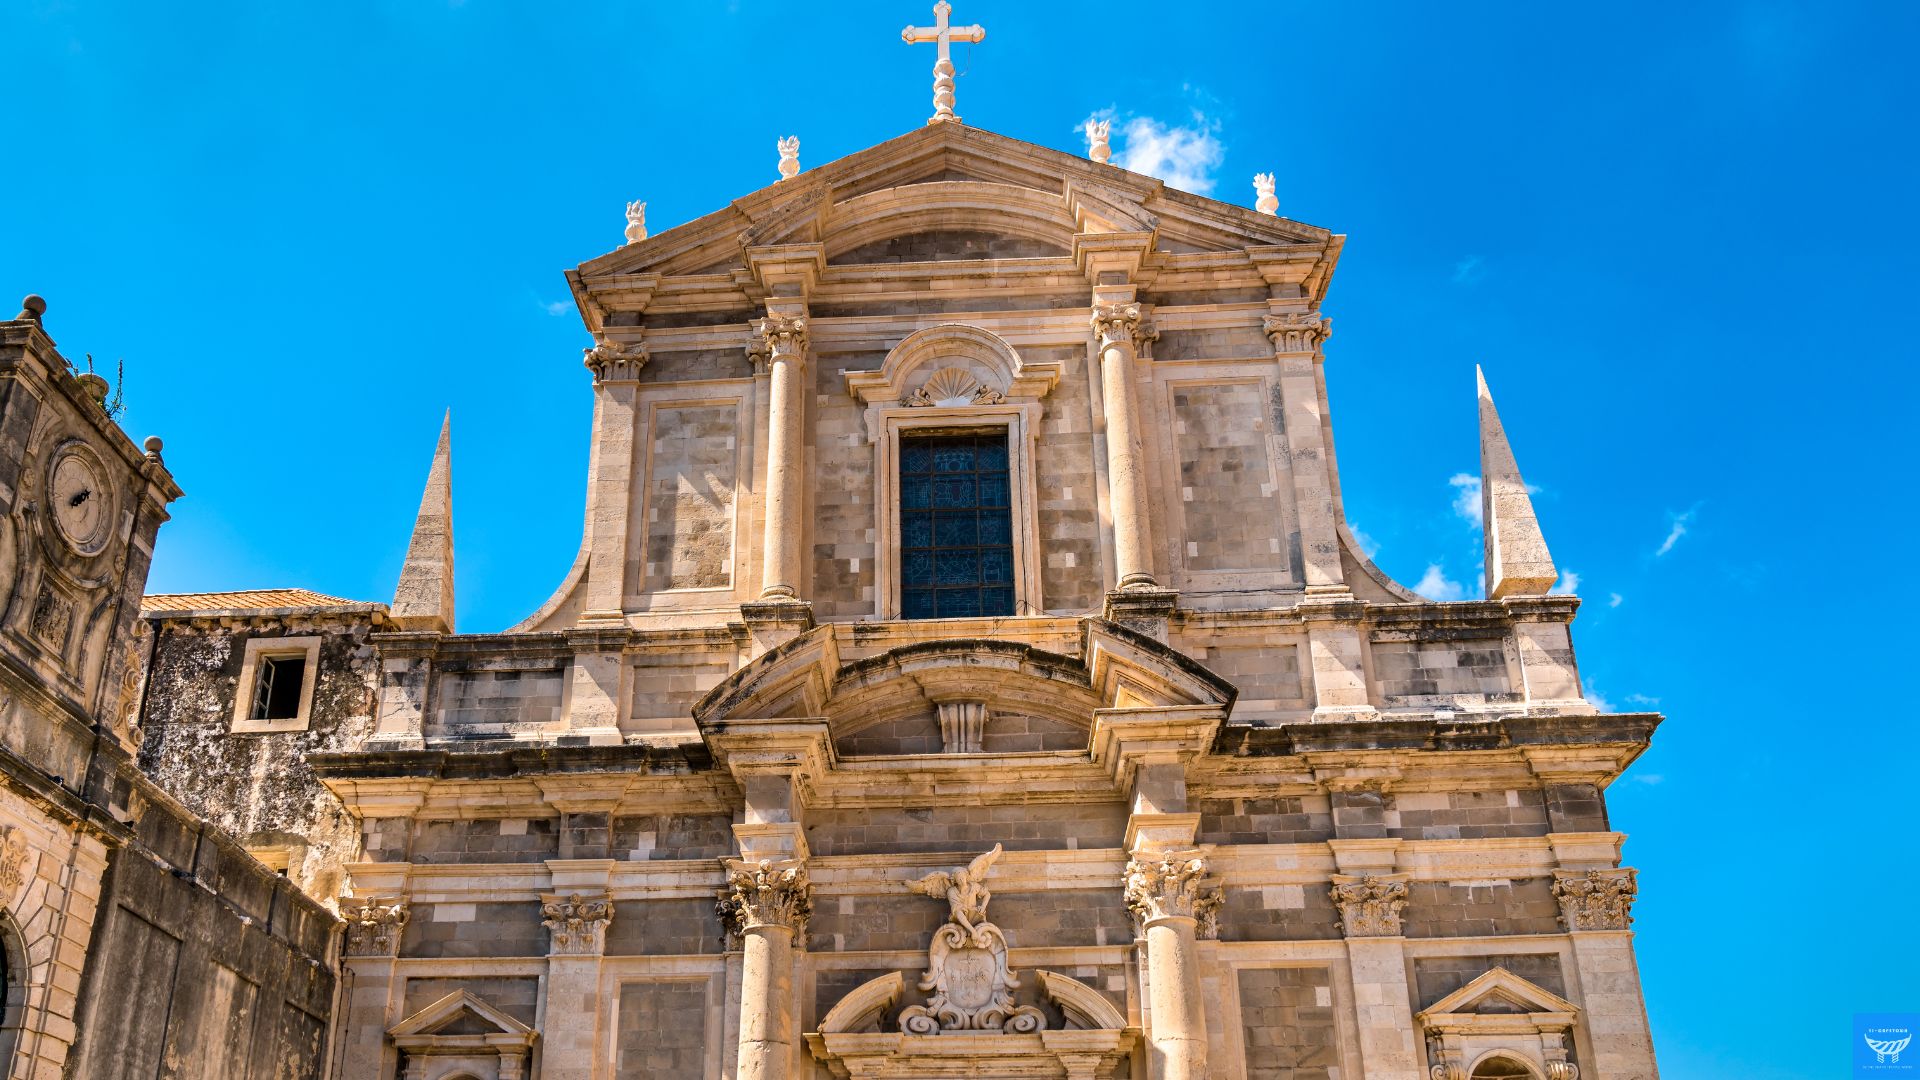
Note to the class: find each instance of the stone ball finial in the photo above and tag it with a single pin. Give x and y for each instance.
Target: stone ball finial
(153, 445)
(31, 309)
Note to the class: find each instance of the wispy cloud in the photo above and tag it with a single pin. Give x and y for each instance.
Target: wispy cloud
(1594, 698)
(1368, 545)
(1614, 599)
(1568, 584)
(1466, 497)
(1435, 585)
(1648, 778)
(1678, 529)
(1183, 155)
(557, 307)
(1642, 699)
(1469, 270)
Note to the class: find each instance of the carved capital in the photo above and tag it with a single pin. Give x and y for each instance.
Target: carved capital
(784, 336)
(1595, 899)
(1170, 885)
(374, 925)
(616, 361)
(1297, 331)
(1114, 323)
(1370, 906)
(578, 923)
(765, 893)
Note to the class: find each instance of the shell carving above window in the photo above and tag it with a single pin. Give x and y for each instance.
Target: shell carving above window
(952, 386)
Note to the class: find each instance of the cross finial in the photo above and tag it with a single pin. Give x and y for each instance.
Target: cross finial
(943, 35)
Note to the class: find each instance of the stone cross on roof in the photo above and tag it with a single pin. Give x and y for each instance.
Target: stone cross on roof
(943, 35)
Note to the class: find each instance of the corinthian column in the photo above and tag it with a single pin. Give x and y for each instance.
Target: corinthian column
(766, 903)
(1116, 325)
(1168, 892)
(785, 337)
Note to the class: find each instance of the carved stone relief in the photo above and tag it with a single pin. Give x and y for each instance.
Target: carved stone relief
(374, 925)
(1370, 906)
(765, 893)
(1171, 884)
(578, 924)
(1595, 899)
(967, 971)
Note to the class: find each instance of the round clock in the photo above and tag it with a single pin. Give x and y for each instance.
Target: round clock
(79, 503)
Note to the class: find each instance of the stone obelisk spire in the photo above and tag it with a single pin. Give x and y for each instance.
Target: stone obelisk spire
(424, 598)
(1517, 559)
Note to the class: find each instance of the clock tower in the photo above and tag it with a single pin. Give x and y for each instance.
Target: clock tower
(79, 507)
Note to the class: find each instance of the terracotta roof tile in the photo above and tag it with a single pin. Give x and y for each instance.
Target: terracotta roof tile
(244, 599)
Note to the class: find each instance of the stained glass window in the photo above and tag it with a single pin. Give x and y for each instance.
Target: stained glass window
(956, 526)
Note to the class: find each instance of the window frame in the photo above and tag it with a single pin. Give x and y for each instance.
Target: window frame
(1019, 422)
(251, 668)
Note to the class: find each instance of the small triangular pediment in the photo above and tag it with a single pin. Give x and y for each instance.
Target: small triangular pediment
(459, 1013)
(1498, 991)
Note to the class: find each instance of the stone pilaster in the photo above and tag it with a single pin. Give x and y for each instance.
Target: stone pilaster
(1596, 907)
(1336, 657)
(1371, 900)
(616, 369)
(1169, 893)
(370, 998)
(1115, 325)
(766, 904)
(577, 933)
(1298, 337)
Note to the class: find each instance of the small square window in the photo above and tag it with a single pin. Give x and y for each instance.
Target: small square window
(275, 691)
(276, 688)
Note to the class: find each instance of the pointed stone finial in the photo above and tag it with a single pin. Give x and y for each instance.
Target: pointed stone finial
(789, 157)
(1517, 559)
(1265, 202)
(636, 222)
(1097, 132)
(424, 598)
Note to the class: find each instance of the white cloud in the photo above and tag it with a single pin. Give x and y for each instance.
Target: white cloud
(1614, 599)
(1649, 778)
(1568, 584)
(558, 307)
(1594, 698)
(1435, 585)
(1469, 270)
(1466, 496)
(1368, 545)
(1642, 699)
(1674, 534)
(1183, 155)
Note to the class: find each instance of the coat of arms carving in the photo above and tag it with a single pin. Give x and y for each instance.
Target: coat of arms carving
(967, 971)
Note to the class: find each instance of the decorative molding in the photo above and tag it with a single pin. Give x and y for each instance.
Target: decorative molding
(615, 361)
(789, 148)
(1370, 906)
(1595, 899)
(1115, 322)
(374, 925)
(962, 726)
(14, 853)
(636, 223)
(1265, 201)
(1098, 147)
(1297, 331)
(967, 969)
(765, 894)
(578, 924)
(1171, 885)
(950, 387)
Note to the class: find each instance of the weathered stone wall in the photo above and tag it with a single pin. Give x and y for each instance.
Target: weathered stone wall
(1436, 977)
(1231, 503)
(1071, 581)
(1447, 673)
(843, 525)
(496, 702)
(882, 831)
(1481, 908)
(259, 788)
(693, 469)
(1287, 1019)
(475, 929)
(662, 1030)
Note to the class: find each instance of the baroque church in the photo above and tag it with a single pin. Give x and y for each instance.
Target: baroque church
(967, 671)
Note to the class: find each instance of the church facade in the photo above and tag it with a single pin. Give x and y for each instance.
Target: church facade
(967, 670)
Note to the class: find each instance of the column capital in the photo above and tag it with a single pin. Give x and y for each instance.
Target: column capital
(784, 337)
(616, 361)
(578, 924)
(1297, 331)
(374, 925)
(1170, 885)
(764, 894)
(1115, 322)
(1595, 899)
(1370, 905)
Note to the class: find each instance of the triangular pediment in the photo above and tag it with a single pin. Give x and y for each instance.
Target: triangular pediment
(459, 1014)
(1495, 992)
(951, 177)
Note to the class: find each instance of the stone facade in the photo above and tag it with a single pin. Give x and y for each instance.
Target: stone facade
(1210, 797)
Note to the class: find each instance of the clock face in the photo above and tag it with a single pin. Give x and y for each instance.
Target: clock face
(79, 503)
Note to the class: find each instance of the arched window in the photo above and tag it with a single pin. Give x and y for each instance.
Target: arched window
(1503, 1067)
(13, 981)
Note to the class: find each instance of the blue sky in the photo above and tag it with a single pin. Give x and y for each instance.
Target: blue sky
(1680, 238)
